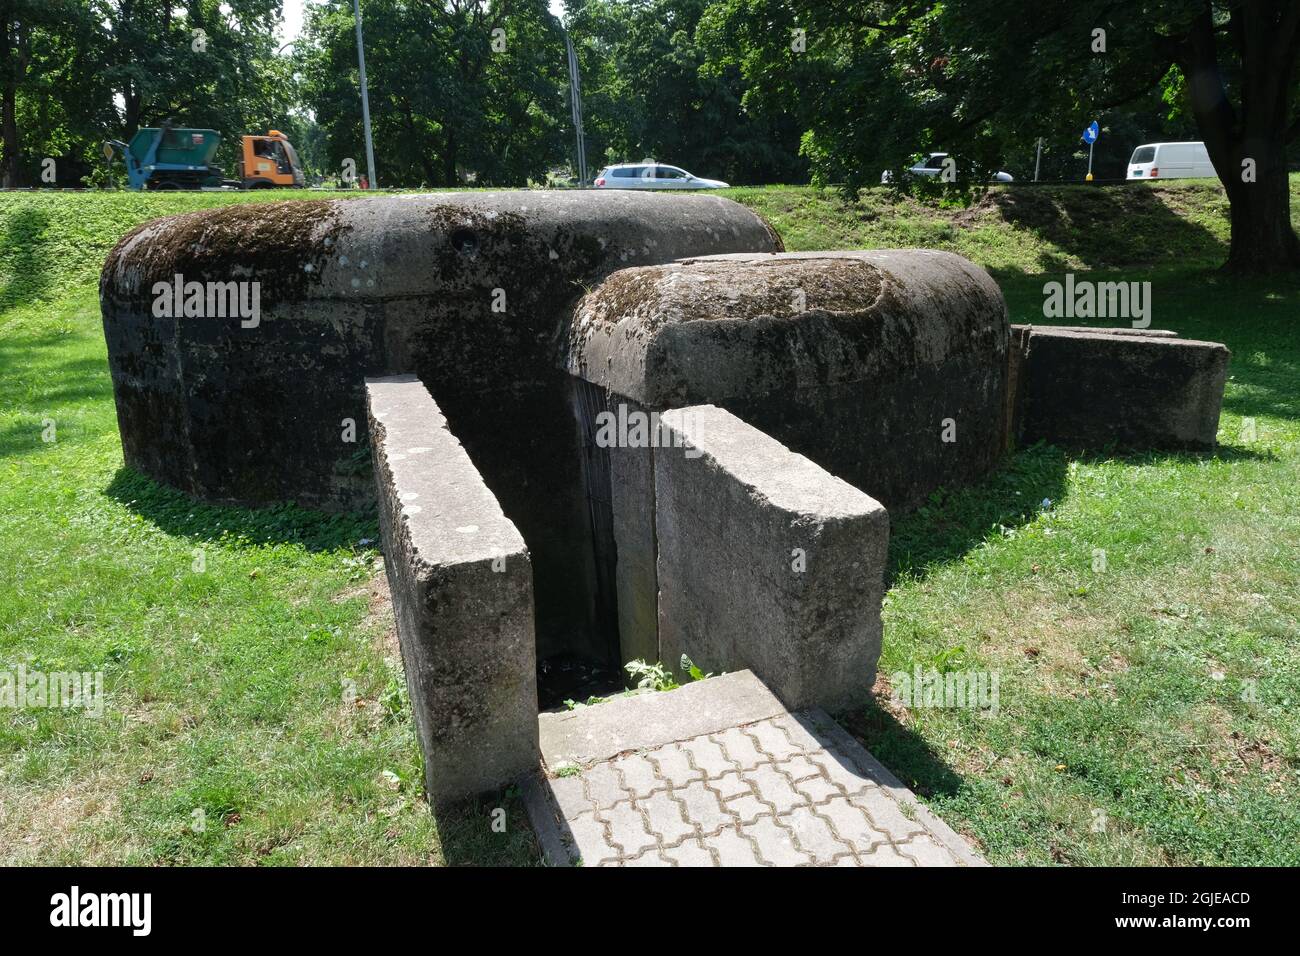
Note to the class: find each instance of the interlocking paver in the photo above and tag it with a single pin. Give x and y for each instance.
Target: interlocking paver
(589, 834)
(734, 849)
(648, 858)
(673, 767)
(747, 808)
(639, 776)
(776, 843)
(837, 772)
(570, 795)
(886, 855)
(817, 789)
(703, 807)
(801, 736)
(730, 784)
(799, 767)
(690, 853)
(627, 829)
(740, 749)
(772, 741)
(774, 789)
(886, 813)
(926, 851)
(814, 835)
(603, 786)
(667, 817)
(707, 756)
(851, 823)
(789, 790)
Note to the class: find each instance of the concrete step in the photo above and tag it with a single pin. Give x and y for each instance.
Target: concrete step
(719, 773)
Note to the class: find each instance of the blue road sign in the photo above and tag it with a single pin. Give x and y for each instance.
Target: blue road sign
(1091, 133)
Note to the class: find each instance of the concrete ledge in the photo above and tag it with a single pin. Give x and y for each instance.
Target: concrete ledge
(461, 582)
(587, 735)
(1134, 388)
(765, 561)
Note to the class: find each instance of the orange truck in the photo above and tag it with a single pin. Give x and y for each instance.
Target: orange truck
(170, 157)
(268, 161)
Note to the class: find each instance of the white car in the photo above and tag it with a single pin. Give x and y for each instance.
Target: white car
(652, 176)
(1171, 161)
(932, 166)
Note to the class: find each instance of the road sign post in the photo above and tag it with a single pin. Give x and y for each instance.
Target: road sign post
(1090, 137)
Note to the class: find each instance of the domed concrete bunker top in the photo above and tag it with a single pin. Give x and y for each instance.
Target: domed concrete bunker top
(466, 290)
(852, 358)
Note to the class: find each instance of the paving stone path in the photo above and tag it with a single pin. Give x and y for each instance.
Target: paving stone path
(784, 790)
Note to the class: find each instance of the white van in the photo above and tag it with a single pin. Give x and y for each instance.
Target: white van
(1171, 161)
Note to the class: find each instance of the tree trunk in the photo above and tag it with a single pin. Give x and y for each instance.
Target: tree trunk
(9, 128)
(449, 160)
(1263, 239)
(12, 54)
(1265, 36)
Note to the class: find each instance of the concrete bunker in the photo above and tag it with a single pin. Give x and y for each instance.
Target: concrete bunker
(768, 412)
(467, 291)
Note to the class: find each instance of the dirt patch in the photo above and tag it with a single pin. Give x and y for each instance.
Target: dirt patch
(379, 616)
(379, 619)
(38, 825)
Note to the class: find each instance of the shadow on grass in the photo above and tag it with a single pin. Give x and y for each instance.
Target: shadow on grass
(178, 514)
(1079, 221)
(474, 833)
(952, 523)
(61, 384)
(905, 753)
(28, 261)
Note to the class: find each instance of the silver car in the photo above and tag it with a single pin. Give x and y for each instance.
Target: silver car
(652, 176)
(932, 166)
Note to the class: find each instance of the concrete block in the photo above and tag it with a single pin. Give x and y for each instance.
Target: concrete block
(1139, 389)
(462, 591)
(765, 561)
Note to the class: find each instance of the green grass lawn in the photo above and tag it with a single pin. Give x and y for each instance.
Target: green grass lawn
(1147, 713)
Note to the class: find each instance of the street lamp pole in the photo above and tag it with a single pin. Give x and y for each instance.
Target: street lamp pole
(575, 97)
(365, 97)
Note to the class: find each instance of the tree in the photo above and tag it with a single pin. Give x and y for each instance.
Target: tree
(199, 63)
(984, 78)
(458, 90)
(42, 49)
(651, 88)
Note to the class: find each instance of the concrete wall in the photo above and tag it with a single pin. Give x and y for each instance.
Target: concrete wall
(1130, 388)
(462, 587)
(765, 561)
